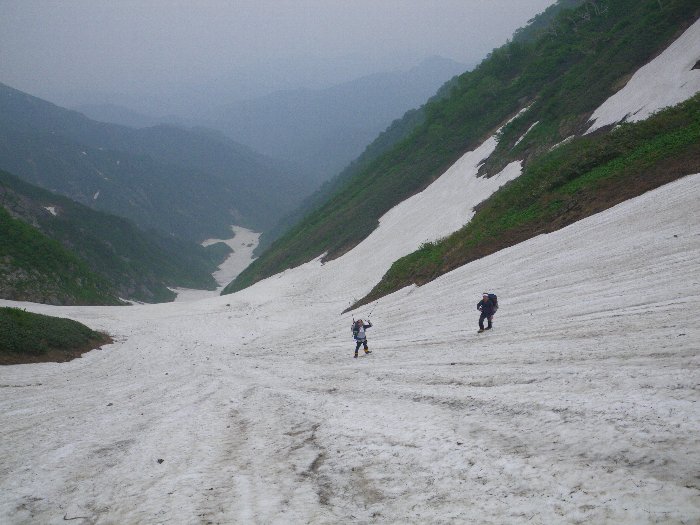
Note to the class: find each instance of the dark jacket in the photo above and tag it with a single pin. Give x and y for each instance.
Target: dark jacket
(488, 308)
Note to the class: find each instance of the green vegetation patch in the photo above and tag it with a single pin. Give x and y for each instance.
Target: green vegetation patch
(36, 268)
(122, 260)
(30, 338)
(218, 252)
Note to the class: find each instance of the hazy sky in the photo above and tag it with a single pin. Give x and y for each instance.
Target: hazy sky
(79, 48)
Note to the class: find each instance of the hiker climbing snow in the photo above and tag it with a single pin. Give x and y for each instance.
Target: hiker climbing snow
(358, 333)
(487, 306)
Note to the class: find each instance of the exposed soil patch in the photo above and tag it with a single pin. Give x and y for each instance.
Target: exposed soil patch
(54, 355)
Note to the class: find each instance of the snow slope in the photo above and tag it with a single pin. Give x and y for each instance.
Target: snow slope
(581, 406)
(667, 80)
(103, 419)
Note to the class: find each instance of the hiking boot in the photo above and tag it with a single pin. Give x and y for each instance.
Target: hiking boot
(368, 352)
(480, 330)
(487, 328)
(355, 355)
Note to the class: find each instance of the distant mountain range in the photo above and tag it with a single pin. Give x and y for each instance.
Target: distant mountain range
(322, 131)
(116, 114)
(177, 184)
(192, 183)
(319, 130)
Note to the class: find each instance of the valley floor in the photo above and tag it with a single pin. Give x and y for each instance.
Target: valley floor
(581, 406)
(242, 243)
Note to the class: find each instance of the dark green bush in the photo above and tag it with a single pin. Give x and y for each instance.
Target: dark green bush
(22, 332)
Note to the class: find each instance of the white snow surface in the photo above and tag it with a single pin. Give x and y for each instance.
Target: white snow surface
(665, 81)
(243, 243)
(525, 134)
(51, 210)
(581, 406)
(565, 141)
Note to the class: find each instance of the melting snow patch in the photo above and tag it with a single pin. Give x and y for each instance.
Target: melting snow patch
(518, 114)
(94, 197)
(565, 141)
(525, 134)
(51, 210)
(667, 80)
(235, 263)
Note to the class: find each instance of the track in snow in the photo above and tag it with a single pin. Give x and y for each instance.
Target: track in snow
(581, 405)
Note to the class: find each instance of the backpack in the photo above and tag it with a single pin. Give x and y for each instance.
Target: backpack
(355, 329)
(492, 297)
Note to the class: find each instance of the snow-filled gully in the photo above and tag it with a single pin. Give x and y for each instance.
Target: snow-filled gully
(581, 406)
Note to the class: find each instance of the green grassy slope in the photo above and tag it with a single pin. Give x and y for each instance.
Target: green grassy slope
(30, 338)
(136, 265)
(36, 268)
(583, 177)
(563, 75)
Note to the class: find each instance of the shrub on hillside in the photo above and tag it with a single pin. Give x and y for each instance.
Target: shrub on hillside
(26, 337)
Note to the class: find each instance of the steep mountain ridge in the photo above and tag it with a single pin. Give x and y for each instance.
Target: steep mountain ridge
(35, 268)
(116, 114)
(562, 77)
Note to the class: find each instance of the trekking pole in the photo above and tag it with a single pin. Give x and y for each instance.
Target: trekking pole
(373, 307)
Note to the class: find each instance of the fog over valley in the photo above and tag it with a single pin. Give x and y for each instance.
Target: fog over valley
(182, 58)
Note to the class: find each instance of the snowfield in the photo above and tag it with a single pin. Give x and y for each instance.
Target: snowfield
(667, 80)
(581, 406)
